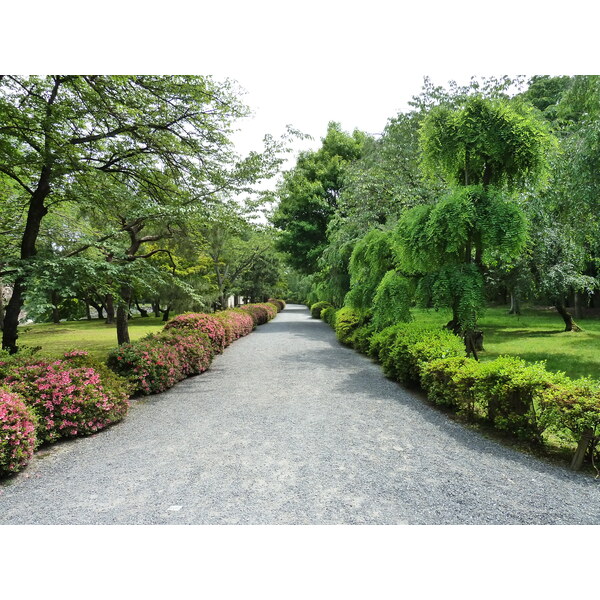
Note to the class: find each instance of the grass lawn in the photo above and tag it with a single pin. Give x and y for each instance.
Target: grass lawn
(95, 336)
(535, 335)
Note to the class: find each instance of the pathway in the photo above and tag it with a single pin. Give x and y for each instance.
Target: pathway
(290, 427)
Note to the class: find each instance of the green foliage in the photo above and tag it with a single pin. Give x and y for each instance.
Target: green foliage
(486, 141)
(360, 339)
(392, 300)
(515, 396)
(371, 258)
(317, 307)
(346, 321)
(309, 195)
(328, 315)
(403, 349)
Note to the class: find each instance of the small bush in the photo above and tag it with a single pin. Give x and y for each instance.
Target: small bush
(68, 400)
(437, 380)
(237, 323)
(17, 432)
(277, 302)
(360, 339)
(317, 307)
(259, 314)
(402, 349)
(346, 321)
(570, 407)
(159, 361)
(205, 323)
(328, 315)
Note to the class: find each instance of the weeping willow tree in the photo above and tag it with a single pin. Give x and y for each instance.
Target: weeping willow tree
(487, 150)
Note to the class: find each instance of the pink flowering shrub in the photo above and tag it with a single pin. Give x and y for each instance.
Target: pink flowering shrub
(159, 361)
(17, 432)
(259, 314)
(280, 304)
(237, 323)
(68, 400)
(208, 324)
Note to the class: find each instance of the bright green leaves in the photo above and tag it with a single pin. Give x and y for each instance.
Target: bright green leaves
(489, 142)
(392, 301)
(370, 260)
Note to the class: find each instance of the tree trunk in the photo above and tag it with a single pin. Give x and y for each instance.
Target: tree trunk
(156, 308)
(1, 307)
(570, 324)
(166, 313)
(88, 314)
(37, 211)
(515, 305)
(55, 299)
(110, 309)
(143, 312)
(122, 314)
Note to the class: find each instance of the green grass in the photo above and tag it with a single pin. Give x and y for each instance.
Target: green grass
(535, 335)
(96, 337)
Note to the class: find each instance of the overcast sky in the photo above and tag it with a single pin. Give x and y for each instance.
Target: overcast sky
(306, 63)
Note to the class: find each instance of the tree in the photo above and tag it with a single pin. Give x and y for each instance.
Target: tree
(155, 135)
(484, 148)
(309, 194)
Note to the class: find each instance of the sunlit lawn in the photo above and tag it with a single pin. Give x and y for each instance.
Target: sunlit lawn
(535, 335)
(95, 336)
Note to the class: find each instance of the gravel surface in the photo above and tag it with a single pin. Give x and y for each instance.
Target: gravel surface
(290, 427)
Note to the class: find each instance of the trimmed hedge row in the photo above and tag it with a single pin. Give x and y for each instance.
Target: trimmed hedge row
(520, 398)
(46, 400)
(158, 361)
(516, 397)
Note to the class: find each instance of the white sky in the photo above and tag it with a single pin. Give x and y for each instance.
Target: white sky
(306, 63)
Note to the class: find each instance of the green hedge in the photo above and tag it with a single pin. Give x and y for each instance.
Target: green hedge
(517, 397)
(317, 307)
(346, 321)
(403, 349)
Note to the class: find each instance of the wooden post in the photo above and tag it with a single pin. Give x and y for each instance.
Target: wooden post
(584, 442)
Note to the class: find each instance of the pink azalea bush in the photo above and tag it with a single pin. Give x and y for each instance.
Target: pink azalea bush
(208, 324)
(68, 399)
(259, 313)
(17, 432)
(278, 302)
(159, 361)
(237, 323)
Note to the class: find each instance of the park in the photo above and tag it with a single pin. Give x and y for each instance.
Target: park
(406, 331)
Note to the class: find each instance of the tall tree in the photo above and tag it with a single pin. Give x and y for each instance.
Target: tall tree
(309, 194)
(157, 134)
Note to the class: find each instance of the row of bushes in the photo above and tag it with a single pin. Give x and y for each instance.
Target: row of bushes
(46, 400)
(516, 397)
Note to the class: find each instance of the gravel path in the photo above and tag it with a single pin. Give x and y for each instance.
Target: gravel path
(290, 427)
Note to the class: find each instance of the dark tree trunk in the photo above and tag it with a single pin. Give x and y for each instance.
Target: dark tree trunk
(55, 299)
(143, 311)
(567, 317)
(156, 308)
(98, 306)
(11, 317)
(1, 307)
(110, 309)
(122, 315)
(166, 313)
(88, 314)
(37, 211)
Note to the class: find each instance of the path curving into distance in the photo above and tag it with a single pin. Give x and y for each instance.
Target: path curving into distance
(290, 427)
